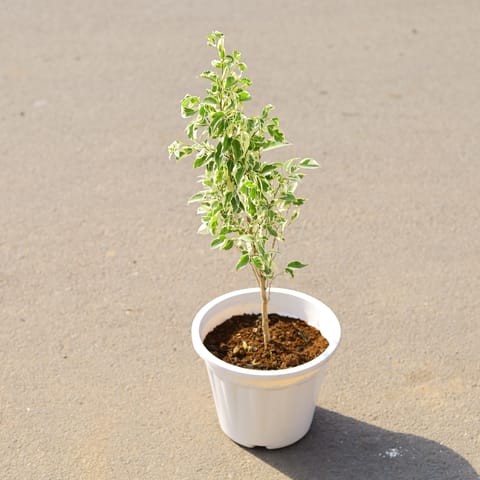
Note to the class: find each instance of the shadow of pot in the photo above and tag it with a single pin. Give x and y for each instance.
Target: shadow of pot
(342, 448)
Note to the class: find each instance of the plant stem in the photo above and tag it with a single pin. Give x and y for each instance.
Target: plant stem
(265, 324)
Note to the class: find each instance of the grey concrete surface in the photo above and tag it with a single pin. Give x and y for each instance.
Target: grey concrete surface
(101, 271)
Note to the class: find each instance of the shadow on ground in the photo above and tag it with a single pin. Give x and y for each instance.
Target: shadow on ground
(342, 448)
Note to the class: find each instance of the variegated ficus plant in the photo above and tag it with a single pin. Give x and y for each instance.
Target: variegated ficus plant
(245, 202)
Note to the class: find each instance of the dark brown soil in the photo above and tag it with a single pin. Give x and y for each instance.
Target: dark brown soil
(239, 341)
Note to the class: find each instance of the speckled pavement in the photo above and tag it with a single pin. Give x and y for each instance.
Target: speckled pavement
(101, 270)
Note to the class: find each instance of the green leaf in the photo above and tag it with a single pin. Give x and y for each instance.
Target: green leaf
(201, 160)
(276, 133)
(264, 184)
(252, 208)
(210, 101)
(191, 131)
(230, 164)
(290, 272)
(269, 167)
(180, 150)
(228, 244)
(216, 126)
(272, 232)
(288, 198)
(243, 96)
(244, 139)
(237, 149)
(212, 40)
(189, 105)
(221, 48)
(296, 264)
(244, 260)
(231, 80)
(209, 75)
(274, 144)
(213, 224)
(239, 174)
(197, 197)
(266, 111)
(188, 112)
(294, 216)
(246, 238)
(290, 164)
(217, 242)
(227, 142)
(218, 152)
(257, 261)
(309, 163)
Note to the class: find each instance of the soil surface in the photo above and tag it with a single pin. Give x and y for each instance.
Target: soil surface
(239, 341)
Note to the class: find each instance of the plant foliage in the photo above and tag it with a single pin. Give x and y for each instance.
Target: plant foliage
(245, 202)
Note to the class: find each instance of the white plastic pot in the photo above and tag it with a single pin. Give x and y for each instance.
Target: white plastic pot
(272, 408)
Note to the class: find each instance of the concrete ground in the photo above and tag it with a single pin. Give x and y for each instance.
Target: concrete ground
(101, 270)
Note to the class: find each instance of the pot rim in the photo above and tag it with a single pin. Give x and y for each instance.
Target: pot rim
(306, 368)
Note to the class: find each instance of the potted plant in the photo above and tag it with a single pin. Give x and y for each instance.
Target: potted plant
(265, 348)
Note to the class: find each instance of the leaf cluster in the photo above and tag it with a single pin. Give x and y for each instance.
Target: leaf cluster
(245, 202)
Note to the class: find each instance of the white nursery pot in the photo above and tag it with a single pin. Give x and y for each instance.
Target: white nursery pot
(269, 408)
